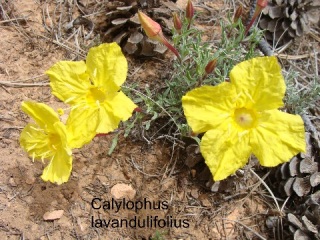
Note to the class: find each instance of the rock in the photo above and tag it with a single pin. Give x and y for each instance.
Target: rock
(30, 180)
(205, 202)
(121, 190)
(194, 193)
(54, 215)
(12, 182)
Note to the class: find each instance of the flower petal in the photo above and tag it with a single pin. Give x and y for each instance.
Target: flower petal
(59, 168)
(69, 81)
(259, 83)
(107, 66)
(122, 106)
(278, 138)
(81, 125)
(118, 107)
(43, 115)
(108, 122)
(224, 153)
(209, 107)
(35, 142)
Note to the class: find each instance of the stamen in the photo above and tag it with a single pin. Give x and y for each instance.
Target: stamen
(249, 96)
(36, 129)
(32, 147)
(70, 99)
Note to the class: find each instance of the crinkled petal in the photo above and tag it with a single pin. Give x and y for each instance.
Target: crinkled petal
(209, 107)
(107, 66)
(81, 125)
(122, 106)
(108, 122)
(259, 83)
(42, 114)
(59, 168)
(113, 110)
(69, 81)
(278, 138)
(35, 142)
(224, 153)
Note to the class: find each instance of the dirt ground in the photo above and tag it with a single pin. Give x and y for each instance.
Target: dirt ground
(26, 51)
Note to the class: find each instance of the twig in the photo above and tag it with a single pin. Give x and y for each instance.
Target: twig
(136, 166)
(245, 226)
(28, 79)
(295, 57)
(13, 20)
(17, 85)
(81, 51)
(267, 187)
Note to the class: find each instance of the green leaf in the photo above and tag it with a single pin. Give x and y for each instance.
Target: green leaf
(114, 143)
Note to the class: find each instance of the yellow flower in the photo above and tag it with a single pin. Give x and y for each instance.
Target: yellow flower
(92, 88)
(241, 118)
(47, 138)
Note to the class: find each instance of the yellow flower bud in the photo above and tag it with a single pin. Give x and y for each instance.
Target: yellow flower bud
(60, 111)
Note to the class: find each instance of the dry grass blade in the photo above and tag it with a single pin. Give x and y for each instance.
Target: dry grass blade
(13, 20)
(295, 57)
(20, 85)
(248, 228)
(269, 190)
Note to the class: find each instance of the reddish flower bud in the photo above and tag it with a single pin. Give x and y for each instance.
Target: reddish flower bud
(189, 12)
(177, 22)
(211, 66)
(154, 32)
(238, 14)
(150, 27)
(261, 4)
(137, 109)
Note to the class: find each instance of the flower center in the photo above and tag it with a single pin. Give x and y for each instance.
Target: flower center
(96, 95)
(54, 141)
(245, 118)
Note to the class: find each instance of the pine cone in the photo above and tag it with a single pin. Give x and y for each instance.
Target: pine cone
(121, 24)
(285, 20)
(300, 179)
(304, 221)
(300, 175)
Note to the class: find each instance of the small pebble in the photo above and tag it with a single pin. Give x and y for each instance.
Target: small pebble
(121, 190)
(53, 215)
(12, 182)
